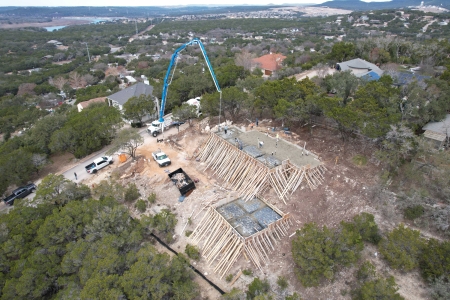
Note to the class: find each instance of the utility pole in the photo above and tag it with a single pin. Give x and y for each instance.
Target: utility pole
(88, 52)
(135, 23)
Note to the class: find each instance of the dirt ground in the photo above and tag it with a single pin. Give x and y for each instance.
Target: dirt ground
(346, 191)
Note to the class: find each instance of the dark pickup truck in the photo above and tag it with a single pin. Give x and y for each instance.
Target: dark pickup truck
(182, 181)
(20, 192)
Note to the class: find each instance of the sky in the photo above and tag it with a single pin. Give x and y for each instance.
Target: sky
(158, 3)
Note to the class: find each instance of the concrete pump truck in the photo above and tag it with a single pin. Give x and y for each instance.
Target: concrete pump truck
(159, 125)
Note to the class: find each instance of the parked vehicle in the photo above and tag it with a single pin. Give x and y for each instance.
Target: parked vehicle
(157, 127)
(20, 192)
(98, 164)
(182, 181)
(161, 158)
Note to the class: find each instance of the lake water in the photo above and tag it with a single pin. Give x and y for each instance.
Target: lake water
(53, 28)
(93, 21)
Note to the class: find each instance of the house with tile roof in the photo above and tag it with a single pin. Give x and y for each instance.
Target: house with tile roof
(269, 63)
(361, 68)
(84, 104)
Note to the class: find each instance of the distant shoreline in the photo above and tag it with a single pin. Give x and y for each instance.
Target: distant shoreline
(64, 21)
(54, 22)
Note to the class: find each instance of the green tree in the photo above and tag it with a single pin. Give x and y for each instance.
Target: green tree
(402, 248)
(234, 294)
(55, 189)
(343, 84)
(38, 137)
(229, 74)
(398, 147)
(192, 252)
(127, 141)
(342, 51)
(185, 112)
(136, 108)
(380, 288)
(365, 224)
(345, 117)
(376, 107)
(131, 192)
(87, 131)
(109, 190)
(440, 289)
(163, 279)
(163, 222)
(435, 260)
(319, 252)
(141, 205)
(257, 288)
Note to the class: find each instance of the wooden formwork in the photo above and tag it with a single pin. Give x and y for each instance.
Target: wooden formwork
(223, 245)
(247, 175)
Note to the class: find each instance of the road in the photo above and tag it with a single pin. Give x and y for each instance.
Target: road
(79, 168)
(81, 172)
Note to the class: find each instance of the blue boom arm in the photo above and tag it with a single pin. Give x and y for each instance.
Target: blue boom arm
(194, 41)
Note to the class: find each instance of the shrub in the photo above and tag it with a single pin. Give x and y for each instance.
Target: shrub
(164, 223)
(152, 198)
(366, 271)
(234, 294)
(188, 233)
(247, 272)
(282, 282)
(257, 287)
(141, 205)
(367, 228)
(440, 289)
(359, 160)
(193, 252)
(294, 296)
(131, 193)
(435, 259)
(413, 212)
(229, 277)
(402, 247)
(319, 252)
(379, 288)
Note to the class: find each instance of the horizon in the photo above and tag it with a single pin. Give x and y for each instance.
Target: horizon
(172, 3)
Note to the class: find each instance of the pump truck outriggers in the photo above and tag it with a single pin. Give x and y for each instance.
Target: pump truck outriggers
(158, 126)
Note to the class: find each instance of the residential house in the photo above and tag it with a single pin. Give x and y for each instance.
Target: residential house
(84, 104)
(403, 78)
(361, 68)
(269, 63)
(438, 132)
(120, 98)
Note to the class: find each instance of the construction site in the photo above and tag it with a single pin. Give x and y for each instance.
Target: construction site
(254, 188)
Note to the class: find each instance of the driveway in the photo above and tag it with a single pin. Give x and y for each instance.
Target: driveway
(80, 170)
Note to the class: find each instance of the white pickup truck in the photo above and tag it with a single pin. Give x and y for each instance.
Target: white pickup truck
(161, 158)
(98, 164)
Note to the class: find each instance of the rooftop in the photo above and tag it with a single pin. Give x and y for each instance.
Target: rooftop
(442, 127)
(272, 61)
(359, 67)
(133, 91)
